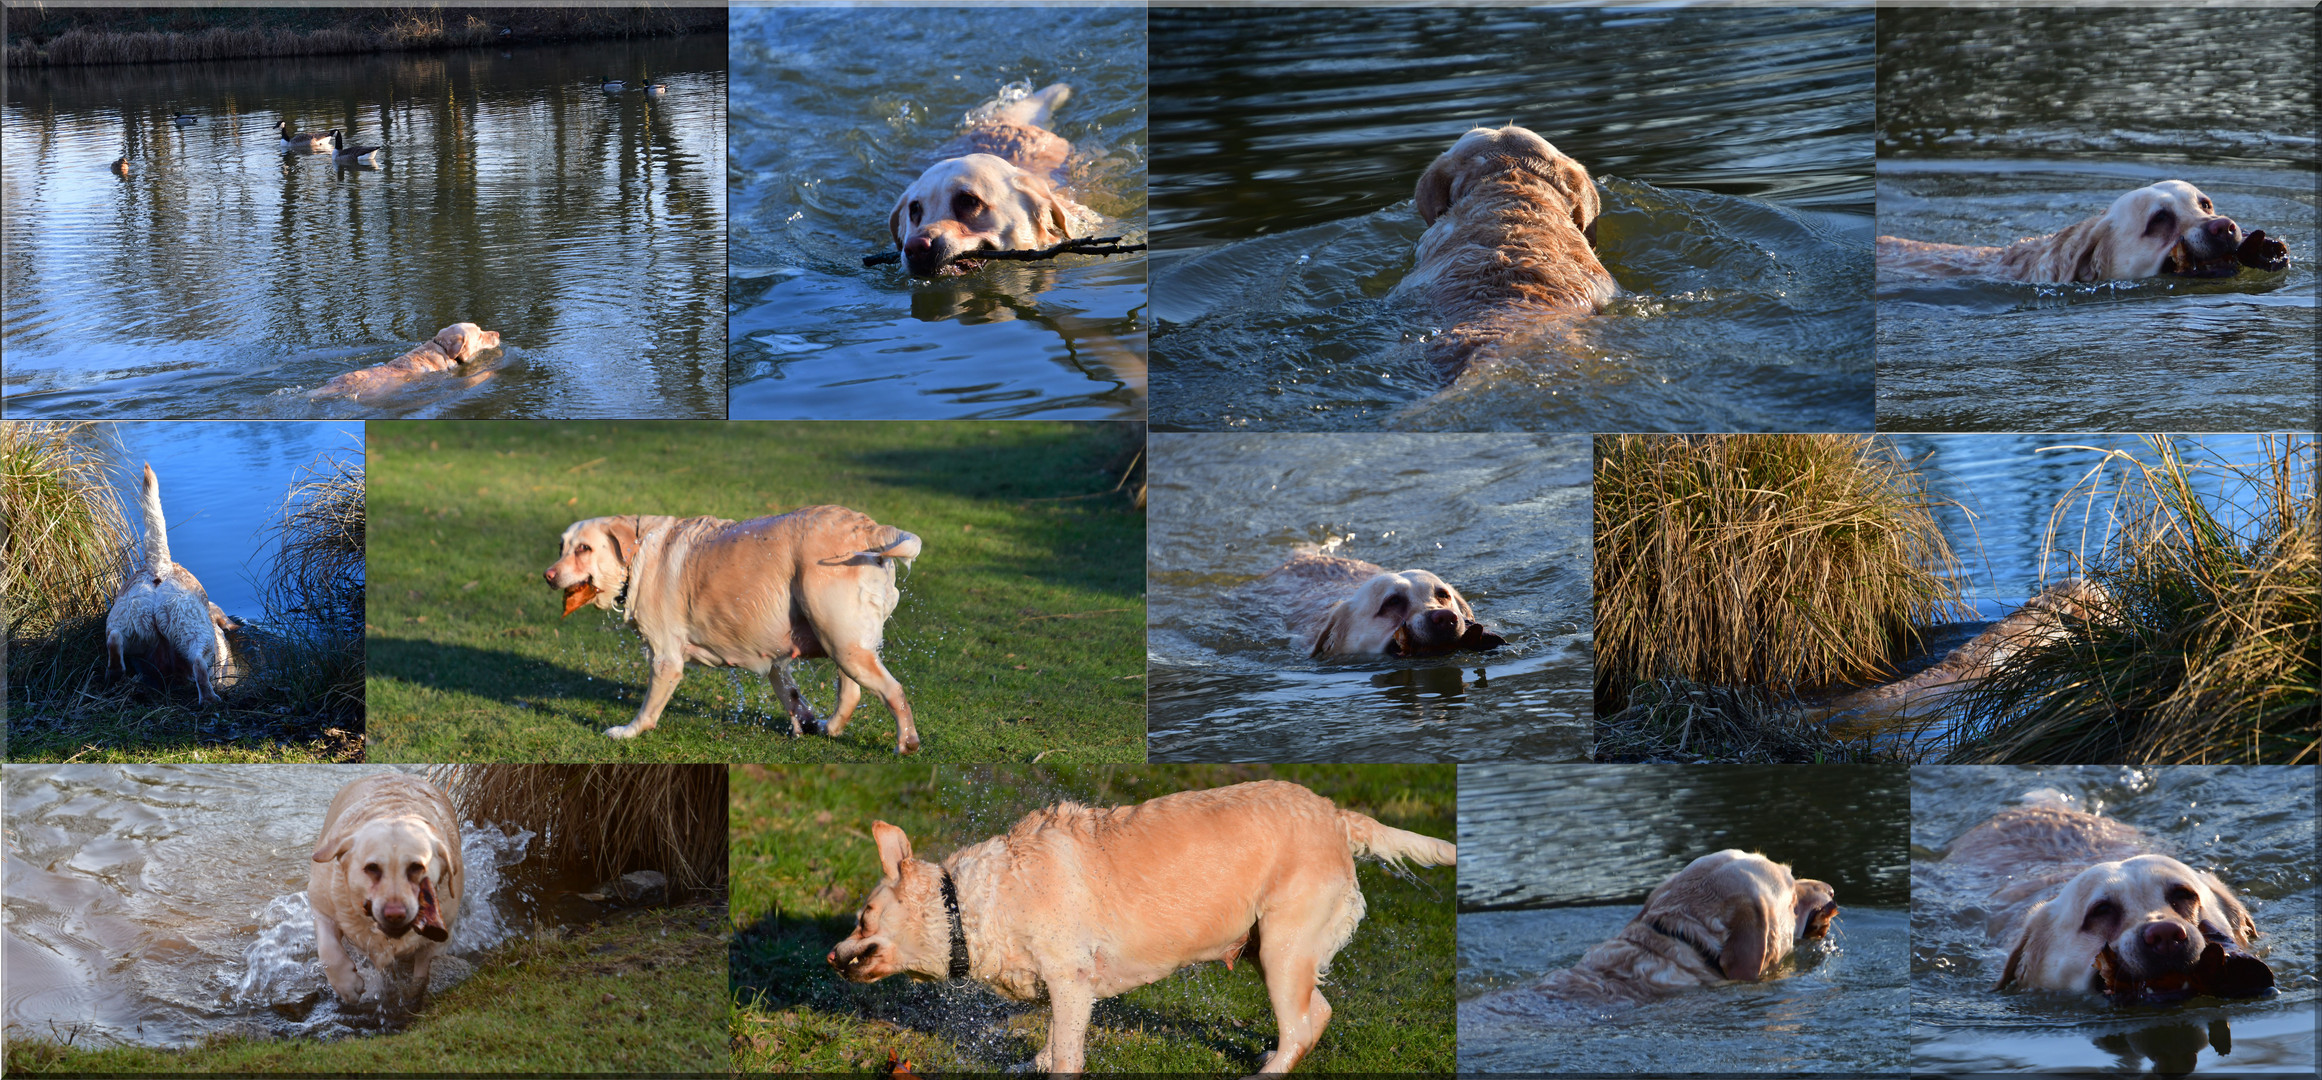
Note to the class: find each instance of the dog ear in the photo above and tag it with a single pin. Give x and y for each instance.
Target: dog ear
(2229, 908)
(894, 848)
(1434, 193)
(621, 532)
(1580, 192)
(1331, 639)
(895, 224)
(1044, 208)
(334, 843)
(1750, 947)
(2027, 954)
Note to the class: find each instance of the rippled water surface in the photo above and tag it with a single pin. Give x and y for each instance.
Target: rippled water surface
(835, 112)
(1554, 859)
(1732, 149)
(225, 278)
(1503, 519)
(2252, 827)
(1998, 124)
(161, 904)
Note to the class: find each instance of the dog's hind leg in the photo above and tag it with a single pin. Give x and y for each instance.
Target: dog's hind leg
(860, 663)
(850, 694)
(1295, 942)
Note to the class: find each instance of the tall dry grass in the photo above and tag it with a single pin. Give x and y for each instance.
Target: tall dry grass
(312, 644)
(610, 819)
(65, 547)
(1769, 561)
(2211, 648)
(60, 37)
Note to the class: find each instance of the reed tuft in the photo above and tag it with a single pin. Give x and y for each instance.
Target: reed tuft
(611, 819)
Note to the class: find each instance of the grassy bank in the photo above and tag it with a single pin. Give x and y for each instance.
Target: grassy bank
(2210, 648)
(62, 36)
(802, 861)
(633, 997)
(1020, 631)
(299, 698)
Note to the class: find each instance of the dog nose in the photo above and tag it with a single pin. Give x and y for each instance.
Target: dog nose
(2223, 230)
(832, 959)
(2158, 934)
(1442, 619)
(394, 911)
(549, 575)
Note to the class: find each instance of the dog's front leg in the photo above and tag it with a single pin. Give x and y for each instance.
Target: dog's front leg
(1069, 1005)
(668, 668)
(337, 967)
(802, 719)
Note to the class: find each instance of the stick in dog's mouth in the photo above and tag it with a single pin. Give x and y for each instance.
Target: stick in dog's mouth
(577, 595)
(2222, 971)
(430, 921)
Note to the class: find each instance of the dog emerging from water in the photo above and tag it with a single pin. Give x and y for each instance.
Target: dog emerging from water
(2046, 617)
(385, 881)
(1080, 903)
(162, 622)
(999, 187)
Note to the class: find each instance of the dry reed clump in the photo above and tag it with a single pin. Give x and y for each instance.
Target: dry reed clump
(65, 546)
(314, 594)
(2211, 647)
(1672, 720)
(1771, 561)
(611, 819)
(65, 36)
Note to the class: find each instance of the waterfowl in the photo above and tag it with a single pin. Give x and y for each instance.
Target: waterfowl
(610, 86)
(309, 141)
(184, 119)
(653, 88)
(352, 155)
(121, 166)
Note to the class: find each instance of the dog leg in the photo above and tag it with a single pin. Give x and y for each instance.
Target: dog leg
(861, 663)
(337, 967)
(802, 721)
(850, 695)
(1300, 1012)
(1070, 1004)
(668, 668)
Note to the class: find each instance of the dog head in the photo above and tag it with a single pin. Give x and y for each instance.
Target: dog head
(1741, 907)
(2148, 927)
(462, 341)
(1413, 613)
(2169, 227)
(395, 864)
(1486, 152)
(903, 927)
(592, 565)
(977, 202)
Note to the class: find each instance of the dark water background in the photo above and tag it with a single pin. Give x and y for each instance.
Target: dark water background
(1998, 123)
(1733, 150)
(225, 278)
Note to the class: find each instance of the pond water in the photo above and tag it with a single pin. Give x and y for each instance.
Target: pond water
(1997, 124)
(2253, 827)
(1554, 859)
(161, 904)
(225, 278)
(1503, 518)
(222, 486)
(828, 130)
(1732, 149)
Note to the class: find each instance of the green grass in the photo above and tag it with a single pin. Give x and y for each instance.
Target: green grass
(1020, 632)
(802, 860)
(631, 997)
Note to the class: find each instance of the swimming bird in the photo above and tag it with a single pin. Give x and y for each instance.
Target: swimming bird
(121, 166)
(352, 155)
(610, 86)
(185, 119)
(653, 88)
(308, 141)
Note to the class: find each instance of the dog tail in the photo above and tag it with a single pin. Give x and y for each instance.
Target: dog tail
(1035, 109)
(898, 545)
(156, 530)
(1392, 845)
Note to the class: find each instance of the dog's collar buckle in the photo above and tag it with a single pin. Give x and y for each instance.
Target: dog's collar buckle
(959, 949)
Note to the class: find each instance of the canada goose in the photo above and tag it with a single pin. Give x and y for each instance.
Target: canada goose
(184, 119)
(610, 86)
(352, 155)
(308, 141)
(121, 166)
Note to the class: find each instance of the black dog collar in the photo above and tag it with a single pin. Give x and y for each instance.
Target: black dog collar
(959, 954)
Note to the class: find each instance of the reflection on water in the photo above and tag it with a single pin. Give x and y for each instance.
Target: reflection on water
(2253, 827)
(1504, 519)
(1554, 859)
(829, 127)
(1997, 124)
(1732, 149)
(161, 904)
(223, 277)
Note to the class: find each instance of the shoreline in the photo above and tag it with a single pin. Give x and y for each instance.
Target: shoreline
(81, 37)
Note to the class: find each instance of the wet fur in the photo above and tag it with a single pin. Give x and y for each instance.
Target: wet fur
(391, 821)
(1336, 606)
(2126, 241)
(2045, 617)
(1727, 916)
(161, 620)
(453, 345)
(998, 187)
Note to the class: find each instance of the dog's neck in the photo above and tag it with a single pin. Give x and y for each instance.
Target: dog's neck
(1707, 956)
(959, 947)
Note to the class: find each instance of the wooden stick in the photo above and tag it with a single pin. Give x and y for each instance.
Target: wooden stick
(1087, 245)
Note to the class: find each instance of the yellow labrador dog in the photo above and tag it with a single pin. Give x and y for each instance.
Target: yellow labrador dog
(2044, 618)
(1336, 606)
(1082, 903)
(997, 189)
(758, 595)
(162, 621)
(1510, 246)
(386, 882)
(1728, 916)
(2165, 228)
(2083, 905)
(453, 345)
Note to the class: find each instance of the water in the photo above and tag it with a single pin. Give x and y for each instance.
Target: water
(1554, 859)
(1732, 149)
(2254, 827)
(829, 127)
(222, 487)
(1503, 518)
(1996, 124)
(162, 904)
(223, 278)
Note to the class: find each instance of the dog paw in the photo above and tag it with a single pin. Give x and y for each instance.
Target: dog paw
(625, 731)
(2263, 252)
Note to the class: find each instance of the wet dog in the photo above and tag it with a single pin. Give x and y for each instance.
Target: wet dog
(2083, 904)
(759, 595)
(2165, 228)
(1082, 903)
(162, 621)
(1336, 606)
(2046, 617)
(453, 345)
(999, 188)
(386, 882)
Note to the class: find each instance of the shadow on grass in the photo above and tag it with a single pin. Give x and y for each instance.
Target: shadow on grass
(514, 679)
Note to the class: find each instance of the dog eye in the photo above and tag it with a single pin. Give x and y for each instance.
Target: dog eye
(965, 204)
(418, 870)
(372, 869)
(2184, 899)
(2205, 202)
(580, 549)
(2162, 221)
(915, 213)
(1443, 594)
(2100, 918)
